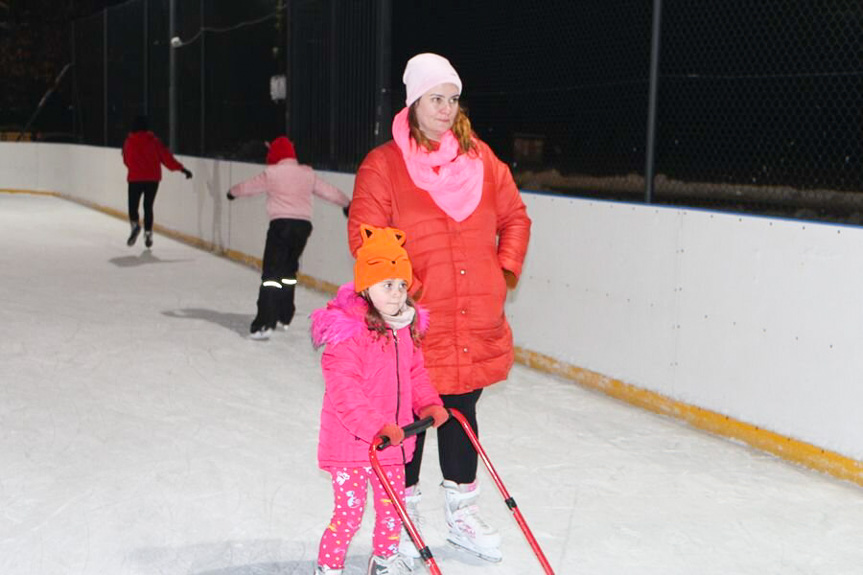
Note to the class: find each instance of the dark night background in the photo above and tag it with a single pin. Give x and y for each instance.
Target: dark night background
(753, 94)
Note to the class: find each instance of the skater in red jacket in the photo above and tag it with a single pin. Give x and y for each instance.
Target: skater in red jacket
(144, 154)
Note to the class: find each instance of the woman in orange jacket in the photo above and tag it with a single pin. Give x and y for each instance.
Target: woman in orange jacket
(468, 233)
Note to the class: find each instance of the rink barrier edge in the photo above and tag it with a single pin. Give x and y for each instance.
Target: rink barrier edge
(31, 192)
(787, 448)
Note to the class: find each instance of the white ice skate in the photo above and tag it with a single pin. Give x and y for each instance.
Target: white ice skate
(467, 529)
(262, 334)
(393, 565)
(324, 570)
(407, 549)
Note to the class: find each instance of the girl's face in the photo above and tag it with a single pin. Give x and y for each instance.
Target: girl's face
(389, 296)
(436, 110)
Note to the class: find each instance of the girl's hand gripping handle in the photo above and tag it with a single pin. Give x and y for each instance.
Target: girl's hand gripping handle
(408, 430)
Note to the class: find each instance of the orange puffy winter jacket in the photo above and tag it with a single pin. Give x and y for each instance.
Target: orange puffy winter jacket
(458, 266)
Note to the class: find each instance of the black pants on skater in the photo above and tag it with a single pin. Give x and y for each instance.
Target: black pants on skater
(286, 240)
(148, 190)
(457, 455)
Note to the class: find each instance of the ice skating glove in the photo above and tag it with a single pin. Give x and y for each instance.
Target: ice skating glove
(436, 412)
(347, 209)
(231, 196)
(393, 432)
(187, 173)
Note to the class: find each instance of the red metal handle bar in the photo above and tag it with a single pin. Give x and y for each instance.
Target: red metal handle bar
(510, 502)
(425, 552)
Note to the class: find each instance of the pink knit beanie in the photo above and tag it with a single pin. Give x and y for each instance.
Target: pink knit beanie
(425, 71)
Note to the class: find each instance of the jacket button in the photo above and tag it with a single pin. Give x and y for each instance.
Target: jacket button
(464, 312)
(465, 350)
(462, 272)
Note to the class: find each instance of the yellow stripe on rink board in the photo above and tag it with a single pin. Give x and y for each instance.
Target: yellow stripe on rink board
(793, 450)
(31, 192)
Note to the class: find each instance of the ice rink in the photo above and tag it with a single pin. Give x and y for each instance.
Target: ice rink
(142, 432)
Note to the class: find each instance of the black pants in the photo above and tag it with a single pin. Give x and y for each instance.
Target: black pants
(148, 190)
(458, 458)
(286, 240)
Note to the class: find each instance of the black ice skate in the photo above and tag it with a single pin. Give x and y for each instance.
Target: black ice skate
(148, 239)
(133, 237)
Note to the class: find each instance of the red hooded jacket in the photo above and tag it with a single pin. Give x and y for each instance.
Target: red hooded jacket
(144, 154)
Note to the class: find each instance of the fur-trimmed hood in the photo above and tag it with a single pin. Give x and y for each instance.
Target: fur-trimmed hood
(345, 317)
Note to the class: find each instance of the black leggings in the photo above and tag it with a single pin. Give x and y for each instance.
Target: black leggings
(148, 190)
(458, 458)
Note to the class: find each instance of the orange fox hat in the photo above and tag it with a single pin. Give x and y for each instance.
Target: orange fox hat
(381, 257)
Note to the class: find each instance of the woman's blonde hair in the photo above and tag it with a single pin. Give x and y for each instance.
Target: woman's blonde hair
(460, 128)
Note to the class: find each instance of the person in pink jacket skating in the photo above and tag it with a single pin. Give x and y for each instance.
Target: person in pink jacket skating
(375, 382)
(289, 186)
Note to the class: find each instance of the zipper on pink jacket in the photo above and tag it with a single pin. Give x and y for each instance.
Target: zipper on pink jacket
(398, 390)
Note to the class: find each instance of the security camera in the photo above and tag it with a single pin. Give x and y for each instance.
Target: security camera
(176, 42)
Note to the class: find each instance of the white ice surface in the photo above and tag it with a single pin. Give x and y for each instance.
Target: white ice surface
(141, 432)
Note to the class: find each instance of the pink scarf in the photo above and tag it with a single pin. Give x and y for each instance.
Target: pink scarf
(456, 185)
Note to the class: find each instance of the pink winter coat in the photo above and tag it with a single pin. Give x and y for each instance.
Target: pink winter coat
(289, 187)
(369, 382)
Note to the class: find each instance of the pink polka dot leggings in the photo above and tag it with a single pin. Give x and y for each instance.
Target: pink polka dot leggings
(349, 492)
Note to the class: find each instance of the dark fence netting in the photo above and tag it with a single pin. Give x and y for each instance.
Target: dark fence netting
(334, 60)
(758, 105)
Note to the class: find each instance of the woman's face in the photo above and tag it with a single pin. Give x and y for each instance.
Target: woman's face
(389, 296)
(436, 110)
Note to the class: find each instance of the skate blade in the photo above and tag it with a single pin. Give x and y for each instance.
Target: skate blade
(491, 555)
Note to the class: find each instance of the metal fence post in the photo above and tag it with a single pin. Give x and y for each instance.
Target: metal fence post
(203, 134)
(383, 93)
(172, 77)
(334, 82)
(105, 77)
(651, 106)
(146, 58)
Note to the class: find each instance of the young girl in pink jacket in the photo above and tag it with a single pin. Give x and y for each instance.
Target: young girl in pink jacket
(375, 382)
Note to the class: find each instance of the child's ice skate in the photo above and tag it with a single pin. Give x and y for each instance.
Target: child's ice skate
(467, 529)
(148, 239)
(324, 570)
(260, 334)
